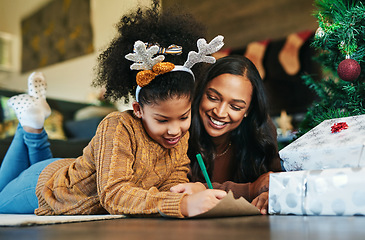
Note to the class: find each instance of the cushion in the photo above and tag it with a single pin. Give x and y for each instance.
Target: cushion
(8, 128)
(53, 126)
(83, 129)
(6, 113)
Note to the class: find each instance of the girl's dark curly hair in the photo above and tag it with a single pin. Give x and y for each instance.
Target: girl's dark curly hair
(253, 141)
(165, 28)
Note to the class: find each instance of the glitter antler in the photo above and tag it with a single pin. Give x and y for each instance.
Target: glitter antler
(143, 58)
(204, 50)
(153, 66)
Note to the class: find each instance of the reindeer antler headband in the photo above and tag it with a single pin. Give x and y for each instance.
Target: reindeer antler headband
(153, 66)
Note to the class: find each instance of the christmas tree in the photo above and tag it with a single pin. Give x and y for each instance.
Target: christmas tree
(340, 41)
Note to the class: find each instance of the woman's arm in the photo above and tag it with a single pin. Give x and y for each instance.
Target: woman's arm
(238, 189)
(249, 191)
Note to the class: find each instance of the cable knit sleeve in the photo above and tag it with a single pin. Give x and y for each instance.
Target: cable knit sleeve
(130, 170)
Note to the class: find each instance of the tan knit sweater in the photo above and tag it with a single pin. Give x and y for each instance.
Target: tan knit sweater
(121, 171)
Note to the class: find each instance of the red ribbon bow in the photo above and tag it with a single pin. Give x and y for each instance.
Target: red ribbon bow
(338, 127)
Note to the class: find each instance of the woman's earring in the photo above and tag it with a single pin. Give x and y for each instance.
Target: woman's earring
(245, 115)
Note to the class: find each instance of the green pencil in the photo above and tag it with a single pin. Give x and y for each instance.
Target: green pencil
(204, 170)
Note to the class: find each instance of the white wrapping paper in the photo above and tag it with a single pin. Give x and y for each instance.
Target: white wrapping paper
(321, 149)
(338, 191)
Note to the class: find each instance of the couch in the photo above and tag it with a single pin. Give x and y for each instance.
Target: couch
(70, 126)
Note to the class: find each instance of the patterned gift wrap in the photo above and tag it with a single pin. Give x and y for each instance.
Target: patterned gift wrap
(338, 191)
(334, 143)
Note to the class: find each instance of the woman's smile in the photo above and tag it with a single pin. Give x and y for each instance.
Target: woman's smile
(217, 123)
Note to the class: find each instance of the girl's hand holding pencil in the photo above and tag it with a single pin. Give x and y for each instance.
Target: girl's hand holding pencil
(191, 188)
(201, 202)
(199, 199)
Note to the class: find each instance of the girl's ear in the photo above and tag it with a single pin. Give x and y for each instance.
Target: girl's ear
(137, 109)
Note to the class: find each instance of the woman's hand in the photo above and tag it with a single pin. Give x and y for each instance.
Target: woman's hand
(261, 202)
(201, 202)
(260, 185)
(188, 188)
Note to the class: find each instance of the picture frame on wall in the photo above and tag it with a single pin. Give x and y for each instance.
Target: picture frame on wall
(57, 32)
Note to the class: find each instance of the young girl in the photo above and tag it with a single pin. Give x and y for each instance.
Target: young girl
(135, 156)
(232, 130)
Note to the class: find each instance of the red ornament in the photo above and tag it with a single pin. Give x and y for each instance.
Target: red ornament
(338, 127)
(349, 70)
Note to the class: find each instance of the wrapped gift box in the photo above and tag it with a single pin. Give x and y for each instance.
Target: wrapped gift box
(326, 146)
(338, 191)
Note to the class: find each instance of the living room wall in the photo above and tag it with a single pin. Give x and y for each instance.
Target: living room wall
(245, 21)
(241, 22)
(69, 80)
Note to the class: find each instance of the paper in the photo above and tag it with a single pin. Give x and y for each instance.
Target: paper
(230, 207)
(19, 220)
(227, 207)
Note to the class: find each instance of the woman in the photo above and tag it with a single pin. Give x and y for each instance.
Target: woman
(233, 132)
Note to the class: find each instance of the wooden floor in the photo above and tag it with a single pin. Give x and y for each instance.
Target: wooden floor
(243, 228)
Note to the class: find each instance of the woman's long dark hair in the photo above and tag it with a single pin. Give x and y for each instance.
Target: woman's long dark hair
(253, 141)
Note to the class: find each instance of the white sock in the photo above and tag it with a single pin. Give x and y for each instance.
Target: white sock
(32, 109)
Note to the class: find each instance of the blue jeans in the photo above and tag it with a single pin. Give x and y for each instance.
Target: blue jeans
(27, 156)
